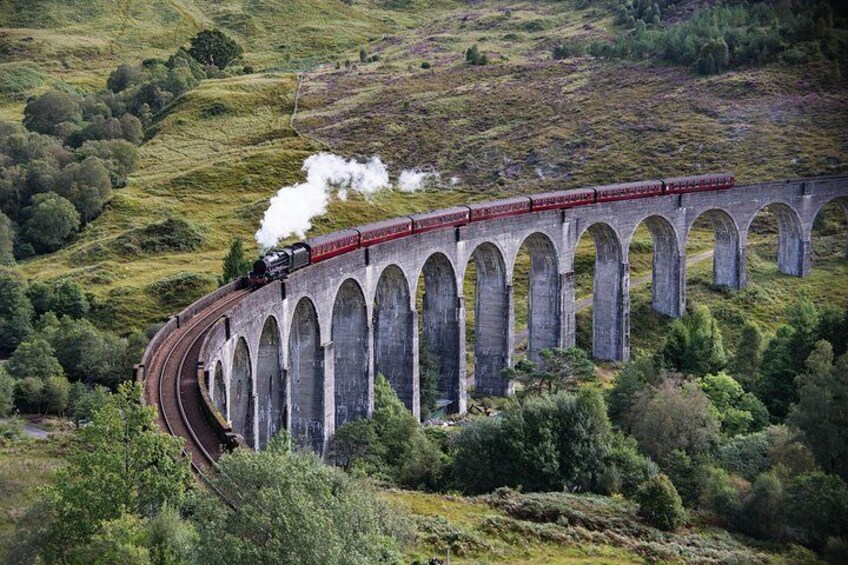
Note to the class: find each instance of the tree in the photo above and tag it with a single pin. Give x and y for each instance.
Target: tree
(34, 359)
(749, 353)
(713, 57)
(7, 393)
(51, 220)
(659, 503)
(363, 55)
(546, 443)
(54, 108)
(15, 311)
(833, 327)
(474, 57)
(565, 369)
(68, 298)
(785, 356)
(87, 185)
(122, 465)
(212, 47)
(234, 265)
(738, 411)
(820, 412)
(7, 241)
(629, 383)
(674, 416)
(817, 504)
(56, 393)
(292, 509)
(694, 345)
(762, 511)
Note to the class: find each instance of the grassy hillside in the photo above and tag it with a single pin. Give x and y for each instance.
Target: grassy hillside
(522, 123)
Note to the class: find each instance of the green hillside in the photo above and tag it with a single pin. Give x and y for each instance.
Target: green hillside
(524, 122)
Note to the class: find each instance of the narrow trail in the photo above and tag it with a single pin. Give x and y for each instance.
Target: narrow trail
(585, 303)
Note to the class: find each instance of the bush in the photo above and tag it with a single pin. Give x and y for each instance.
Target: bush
(171, 234)
(7, 241)
(738, 411)
(659, 503)
(425, 65)
(49, 112)
(720, 496)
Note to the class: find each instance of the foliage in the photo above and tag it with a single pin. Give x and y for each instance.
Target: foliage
(474, 57)
(34, 359)
(676, 415)
(624, 467)
(391, 445)
(785, 355)
(7, 241)
(234, 264)
(694, 344)
(50, 220)
(428, 377)
(91, 355)
(721, 496)
(820, 411)
(659, 503)
(122, 465)
(173, 233)
(749, 353)
(7, 391)
(213, 47)
(291, 508)
(632, 380)
(732, 35)
(561, 369)
(762, 511)
(547, 443)
(15, 311)
(817, 505)
(739, 412)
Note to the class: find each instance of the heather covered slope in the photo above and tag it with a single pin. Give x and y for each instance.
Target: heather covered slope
(522, 123)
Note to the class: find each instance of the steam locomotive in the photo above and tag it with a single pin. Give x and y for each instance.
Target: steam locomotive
(280, 262)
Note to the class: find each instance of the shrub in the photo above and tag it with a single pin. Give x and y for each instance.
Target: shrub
(47, 113)
(738, 411)
(425, 65)
(15, 311)
(7, 393)
(171, 234)
(659, 503)
(7, 241)
(720, 496)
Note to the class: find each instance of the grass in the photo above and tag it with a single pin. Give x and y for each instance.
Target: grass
(25, 467)
(559, 528)
(524, 123)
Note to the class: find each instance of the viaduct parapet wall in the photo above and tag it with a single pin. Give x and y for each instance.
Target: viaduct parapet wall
(302, 353)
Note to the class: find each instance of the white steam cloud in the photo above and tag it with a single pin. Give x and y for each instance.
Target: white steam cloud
(291, 210)
(412, 180)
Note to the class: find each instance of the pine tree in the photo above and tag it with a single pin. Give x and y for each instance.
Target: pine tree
(749, 353)
(234, 264)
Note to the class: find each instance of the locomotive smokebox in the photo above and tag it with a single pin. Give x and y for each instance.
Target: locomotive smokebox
(259, 267)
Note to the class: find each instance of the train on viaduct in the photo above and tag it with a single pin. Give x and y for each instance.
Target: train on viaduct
(301, 353)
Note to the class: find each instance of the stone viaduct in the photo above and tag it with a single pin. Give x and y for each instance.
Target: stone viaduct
(302, 353)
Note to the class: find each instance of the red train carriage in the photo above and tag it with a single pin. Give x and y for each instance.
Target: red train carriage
(326, 246)
(499, 208)
(700, 183)
(445, 218)
(387, 230)
(559, 200)
(628, 190)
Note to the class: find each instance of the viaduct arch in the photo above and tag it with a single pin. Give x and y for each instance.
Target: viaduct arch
(303, 353)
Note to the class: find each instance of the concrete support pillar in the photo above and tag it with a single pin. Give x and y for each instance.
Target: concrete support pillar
(371, 372)
(510, 332)
(415, 356)
(623, 353)
(568, 306)
(729, 260)
(461, 395)
(329, 398)
(491, 328)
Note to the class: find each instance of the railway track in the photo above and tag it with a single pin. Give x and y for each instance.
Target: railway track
(171, 384)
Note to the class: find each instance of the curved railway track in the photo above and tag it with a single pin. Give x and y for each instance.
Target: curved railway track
(171, 384)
